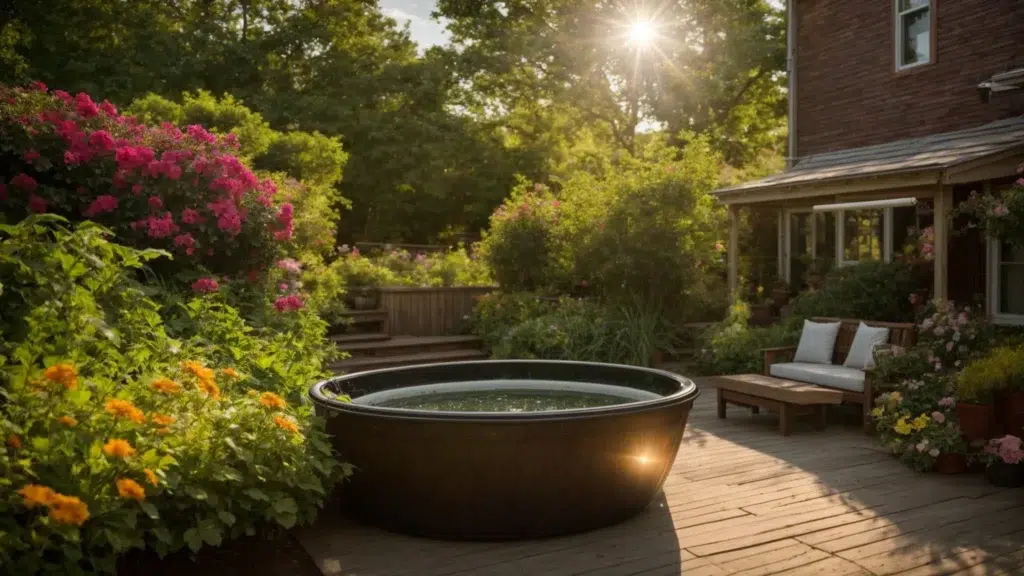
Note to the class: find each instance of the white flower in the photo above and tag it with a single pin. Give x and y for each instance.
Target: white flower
(934, 452)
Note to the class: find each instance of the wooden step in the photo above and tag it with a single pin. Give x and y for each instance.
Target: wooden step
(344, 339)
(411, 344)
(374, 362)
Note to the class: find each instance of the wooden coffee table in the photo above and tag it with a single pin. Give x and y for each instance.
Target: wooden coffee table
(787, 397)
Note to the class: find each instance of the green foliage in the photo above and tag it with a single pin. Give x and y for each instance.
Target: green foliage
(648, 230)
(520, 246)
(917, 421)
(586, 331)
(734, 347)
(895, 365)
(87, 360)
(999, 369)
(869, 291)
(497, 312)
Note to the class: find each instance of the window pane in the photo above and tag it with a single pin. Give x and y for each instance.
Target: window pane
(916, 31)
(1011, 280)
(825, 253)
(862, 235)
(908, 4)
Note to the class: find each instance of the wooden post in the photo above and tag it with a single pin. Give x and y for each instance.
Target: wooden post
(943, 205)
(734, 249)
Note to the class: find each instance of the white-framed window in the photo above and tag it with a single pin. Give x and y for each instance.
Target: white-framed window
(843, 236)
(913, 33)
(1006, 282)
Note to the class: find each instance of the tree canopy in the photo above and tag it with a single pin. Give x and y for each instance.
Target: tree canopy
(434, 138)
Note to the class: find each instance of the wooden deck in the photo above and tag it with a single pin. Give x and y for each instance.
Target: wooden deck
(741, 499)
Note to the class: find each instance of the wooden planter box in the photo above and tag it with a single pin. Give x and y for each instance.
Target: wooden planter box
(429, 311)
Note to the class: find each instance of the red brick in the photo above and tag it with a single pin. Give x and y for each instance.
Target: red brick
(849, 93)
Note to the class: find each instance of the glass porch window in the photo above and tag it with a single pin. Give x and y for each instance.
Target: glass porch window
(863, 235)
(1011, 280)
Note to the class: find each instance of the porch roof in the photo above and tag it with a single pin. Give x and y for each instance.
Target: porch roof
(935, 154)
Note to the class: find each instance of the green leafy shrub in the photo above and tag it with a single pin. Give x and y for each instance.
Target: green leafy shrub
(999, 214)
(520, 245)
(952, 335)
(119, 435)
(869, 291)
(999, 369)
(359, 271)
(896, 365)
(496, 313)
(586, 331)
(734, 347)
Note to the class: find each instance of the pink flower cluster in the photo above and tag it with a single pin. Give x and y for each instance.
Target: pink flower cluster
(1008, 449)
(174, 188)
(205, 286)
(290, 265)
(289, 303)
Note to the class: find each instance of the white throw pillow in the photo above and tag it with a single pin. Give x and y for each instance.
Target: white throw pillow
(817, 340)
(862, 351)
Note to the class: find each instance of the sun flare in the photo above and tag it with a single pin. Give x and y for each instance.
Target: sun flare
(641, 33)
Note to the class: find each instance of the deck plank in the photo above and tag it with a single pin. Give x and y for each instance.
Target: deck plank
(740, 500)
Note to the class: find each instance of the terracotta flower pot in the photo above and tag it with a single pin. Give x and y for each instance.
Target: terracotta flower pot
(1011, 412)
(1005, 475)
(976, 420)
(951, 464)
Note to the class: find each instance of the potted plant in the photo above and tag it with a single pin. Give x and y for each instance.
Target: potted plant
(975, 392)
(364, 279)
(1010, 396)
(948, 443)
(1005, 468)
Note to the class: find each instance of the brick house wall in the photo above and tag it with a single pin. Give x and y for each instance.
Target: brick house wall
(849, 93)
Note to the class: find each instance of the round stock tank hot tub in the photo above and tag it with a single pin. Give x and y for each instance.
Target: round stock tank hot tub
(504, 449)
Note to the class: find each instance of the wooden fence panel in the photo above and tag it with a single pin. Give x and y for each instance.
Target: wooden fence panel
(429, 311)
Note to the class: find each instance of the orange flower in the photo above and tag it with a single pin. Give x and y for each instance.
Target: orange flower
(68, 421)
(36, 495)
(209, 388)
(130, 489)
(166, 386)
(162, 419)
(68, 510)
(200, 371)
(126, 410)
(272, 401)
(151, 476)
(13, 441)
(163, 430)
(62, 373)
(118, 448)
(286, 424)
(230, 373)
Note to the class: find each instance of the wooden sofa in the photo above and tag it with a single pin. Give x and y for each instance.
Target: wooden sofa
(900, 334)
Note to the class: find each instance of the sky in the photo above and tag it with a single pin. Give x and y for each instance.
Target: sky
(424, 31)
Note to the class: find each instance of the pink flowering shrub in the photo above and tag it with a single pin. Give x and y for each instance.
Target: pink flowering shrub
(1007, 449)
(1001, 214)
(184, 191)
(951, 334)
(522, 242)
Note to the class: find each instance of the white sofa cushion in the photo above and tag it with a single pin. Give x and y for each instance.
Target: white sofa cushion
(830, 375)
(816, 342)
(862, 351)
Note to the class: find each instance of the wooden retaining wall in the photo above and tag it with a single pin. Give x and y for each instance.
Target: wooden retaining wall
(429, 311)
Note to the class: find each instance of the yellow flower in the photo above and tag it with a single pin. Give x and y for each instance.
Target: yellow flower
(126, 410)
(902, 427)
(162, 419)
(130, 489)
(230, 373)
(68, 510)
(166, 386)
(118, 448)
(272, 401)
(877, 412)
(62, 373)
(151, 476)
(68, 421)
(36, 495)
(286, 424)
(895, 398)
(921, 422)
(13, 441)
